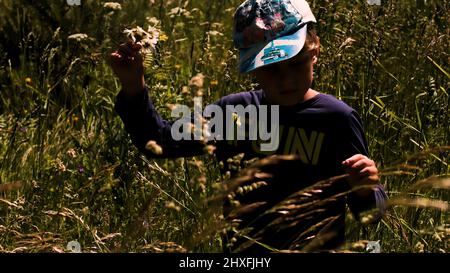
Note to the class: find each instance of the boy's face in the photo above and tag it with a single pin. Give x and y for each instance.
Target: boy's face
(285, 83)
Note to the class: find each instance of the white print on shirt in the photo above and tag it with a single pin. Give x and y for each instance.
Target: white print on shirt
(298, 141)
(263, 126)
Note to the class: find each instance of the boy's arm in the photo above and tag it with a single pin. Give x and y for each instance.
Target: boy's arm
(362, 171)
(136, 109)
(144, 124)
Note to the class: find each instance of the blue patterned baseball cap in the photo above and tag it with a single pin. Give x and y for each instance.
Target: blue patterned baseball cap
(270, 31)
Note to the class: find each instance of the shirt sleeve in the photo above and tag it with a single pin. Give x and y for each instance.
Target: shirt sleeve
(144, 124)
(354, 142)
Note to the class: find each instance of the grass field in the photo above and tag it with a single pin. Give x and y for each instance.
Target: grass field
(68, 170)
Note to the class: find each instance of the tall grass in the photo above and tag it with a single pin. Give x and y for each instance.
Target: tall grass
(68, 170)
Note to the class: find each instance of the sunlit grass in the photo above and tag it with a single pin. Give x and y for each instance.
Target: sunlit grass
(68, 170)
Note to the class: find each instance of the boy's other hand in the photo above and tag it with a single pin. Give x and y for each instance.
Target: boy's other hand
(362, 171)
(127, 64)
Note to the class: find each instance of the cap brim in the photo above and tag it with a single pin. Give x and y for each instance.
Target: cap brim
(280, 49)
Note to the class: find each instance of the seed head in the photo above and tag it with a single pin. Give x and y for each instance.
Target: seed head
(78, 36)
(153, 147)
(197, 80)
(112, 6)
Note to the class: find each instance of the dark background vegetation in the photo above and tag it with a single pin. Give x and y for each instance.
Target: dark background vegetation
(68, 170)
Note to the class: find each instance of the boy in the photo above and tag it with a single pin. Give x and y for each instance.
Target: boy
(279, 47)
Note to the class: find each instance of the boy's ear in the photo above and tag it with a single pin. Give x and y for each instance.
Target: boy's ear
(314, 59)
(315, 55)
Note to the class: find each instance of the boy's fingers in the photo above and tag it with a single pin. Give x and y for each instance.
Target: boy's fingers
(125, 51)
(366, 172)
(114, 57)
(117, 59)
(137, 47)
(130, 52)
(350, 161)
(366, 176)
(362, 163)
(119, 56)
(362, 168)
(130, 47)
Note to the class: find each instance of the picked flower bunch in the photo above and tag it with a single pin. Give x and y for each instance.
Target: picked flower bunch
(147, 39)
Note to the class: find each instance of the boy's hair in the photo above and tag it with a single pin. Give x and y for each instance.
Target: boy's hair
(312, 40)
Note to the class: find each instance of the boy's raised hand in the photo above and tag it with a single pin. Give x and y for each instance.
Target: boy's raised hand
(362, 171)
(127, 64)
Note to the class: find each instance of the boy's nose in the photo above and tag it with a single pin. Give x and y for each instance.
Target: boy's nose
(284, 74)
(283, 70)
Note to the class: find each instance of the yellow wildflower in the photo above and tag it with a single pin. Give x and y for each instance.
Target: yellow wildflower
(163, 37)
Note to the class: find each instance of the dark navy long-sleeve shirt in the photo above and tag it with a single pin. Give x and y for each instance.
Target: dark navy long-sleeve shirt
(322, 132)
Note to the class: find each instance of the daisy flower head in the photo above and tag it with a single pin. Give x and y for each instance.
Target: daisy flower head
(147, 39)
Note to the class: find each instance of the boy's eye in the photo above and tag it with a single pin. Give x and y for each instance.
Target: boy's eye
(271, 67)
(299, 63)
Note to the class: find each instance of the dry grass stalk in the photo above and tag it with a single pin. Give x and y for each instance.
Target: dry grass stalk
(66, 212)
(434, 182)
(136, 227)
(322, 237)
(300, 207)
(163, 247)
(10, 186)
(418, 202)
(11, 204)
